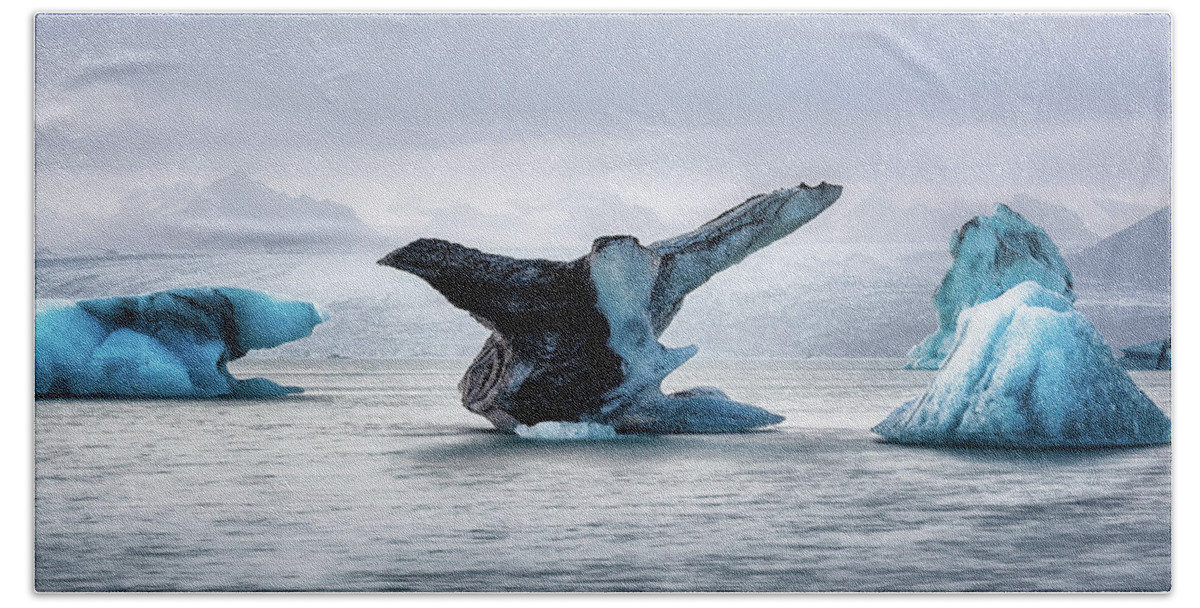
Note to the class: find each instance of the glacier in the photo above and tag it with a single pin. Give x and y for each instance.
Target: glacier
(991, 255)
(577, 341)
(1026, 370)
(173, 343)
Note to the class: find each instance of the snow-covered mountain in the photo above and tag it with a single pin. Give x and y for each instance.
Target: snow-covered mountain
(233, 213)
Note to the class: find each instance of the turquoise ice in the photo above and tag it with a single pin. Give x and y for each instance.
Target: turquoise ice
(173, 343)
(1028, 370)
(991, 254)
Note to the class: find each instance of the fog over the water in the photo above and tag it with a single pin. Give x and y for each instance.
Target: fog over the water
(471, 126)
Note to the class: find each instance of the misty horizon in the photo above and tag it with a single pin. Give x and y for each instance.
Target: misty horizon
(241, 213)
(490, 119)
(337, 138)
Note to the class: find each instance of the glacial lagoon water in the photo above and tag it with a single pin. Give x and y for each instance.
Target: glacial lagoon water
(376, 479)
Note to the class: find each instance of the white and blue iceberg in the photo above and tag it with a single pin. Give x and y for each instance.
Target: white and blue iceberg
(1026, 370)
(991, 255)
(551, 430)
(173, 343)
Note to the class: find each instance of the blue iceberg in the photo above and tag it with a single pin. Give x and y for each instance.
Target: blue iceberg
(1027, 370)
(1149, 355)
(173, 343)
(566, 431)
(991, 255)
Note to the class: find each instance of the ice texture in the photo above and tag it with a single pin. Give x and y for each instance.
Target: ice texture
(991, 255)
(566, 431)
(1149, 355)
(577, 341)
(1027, 371)
(173, 343)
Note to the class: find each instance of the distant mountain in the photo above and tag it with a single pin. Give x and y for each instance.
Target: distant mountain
(564, 227)
(932, 223)
(1106, 216)
(1065, 227)
(1138, 256)
(231, 213)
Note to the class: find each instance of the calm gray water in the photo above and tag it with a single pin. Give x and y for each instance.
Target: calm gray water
(377, 479)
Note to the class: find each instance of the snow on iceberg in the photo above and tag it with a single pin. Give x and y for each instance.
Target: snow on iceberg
(991, 254)
(1028, 370)
(566, 431)
(173, 343)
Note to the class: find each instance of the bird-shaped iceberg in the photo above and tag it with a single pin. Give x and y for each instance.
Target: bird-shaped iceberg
(577, 341)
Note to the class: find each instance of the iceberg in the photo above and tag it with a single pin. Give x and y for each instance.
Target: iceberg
(566, 431)
(1027, 370)
(991, 255)
(173, 343)
(577, 341)
(1150, 355)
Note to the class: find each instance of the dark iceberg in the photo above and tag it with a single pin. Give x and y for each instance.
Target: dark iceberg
(173, 343)
(991, 255)
(577, 341)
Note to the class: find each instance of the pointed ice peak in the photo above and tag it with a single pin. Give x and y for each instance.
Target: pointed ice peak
(991, 254)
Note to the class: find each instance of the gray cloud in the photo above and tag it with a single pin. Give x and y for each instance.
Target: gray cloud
(398, 116)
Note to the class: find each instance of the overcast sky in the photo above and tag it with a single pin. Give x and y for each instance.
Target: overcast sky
(401, 116)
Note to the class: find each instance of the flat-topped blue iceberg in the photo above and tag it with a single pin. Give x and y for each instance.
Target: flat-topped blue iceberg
(1027, 370)
(173, 343)
(1148, 355)
(577, 341)
(991, 254)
